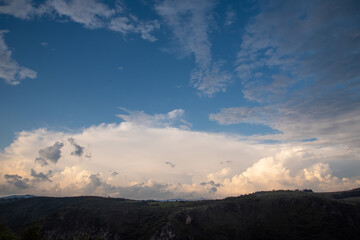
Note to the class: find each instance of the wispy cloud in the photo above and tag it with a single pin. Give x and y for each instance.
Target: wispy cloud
(90, 13)
(190, 22)
(130, 24)
(10, 70)
(23, 9)
(170, 119)
(236, 115)
(230, 16)
(298, 61)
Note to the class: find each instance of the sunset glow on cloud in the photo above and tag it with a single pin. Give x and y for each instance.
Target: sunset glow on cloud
(178, 99)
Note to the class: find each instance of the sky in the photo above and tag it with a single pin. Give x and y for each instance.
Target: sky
(186, 99)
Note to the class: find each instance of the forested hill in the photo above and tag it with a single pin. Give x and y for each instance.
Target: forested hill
(262, 215)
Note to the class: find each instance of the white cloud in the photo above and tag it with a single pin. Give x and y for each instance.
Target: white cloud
(141, 154)
(133, 24)
(316, 54)
(18, 8)
(274, 172)
(90, 13)
(121, 24)
(146, 28)
(236, 115)
(136, 152)
(210, 80)
(10, 70)
(298, 61)
(190, 22)
(294, 125)
(230, 16)
(171, 119)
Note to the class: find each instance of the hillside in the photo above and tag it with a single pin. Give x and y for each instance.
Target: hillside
(262, 215)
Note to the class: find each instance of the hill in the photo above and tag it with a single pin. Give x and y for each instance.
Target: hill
(262, 215)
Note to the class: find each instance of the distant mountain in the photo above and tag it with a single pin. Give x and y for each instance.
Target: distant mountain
(18, 196)
(262, 215)
(181, 200)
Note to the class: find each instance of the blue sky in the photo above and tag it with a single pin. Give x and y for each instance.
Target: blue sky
(247, 95)
(84, 74)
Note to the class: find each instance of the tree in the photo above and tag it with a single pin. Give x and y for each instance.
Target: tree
(33, 232)
(6, 233)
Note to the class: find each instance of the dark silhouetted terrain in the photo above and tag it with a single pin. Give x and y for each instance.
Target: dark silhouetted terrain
(262, 215)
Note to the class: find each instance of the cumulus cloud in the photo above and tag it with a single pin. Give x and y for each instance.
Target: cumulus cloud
(190, 22)
(41, 161)
(276, 172)
(79, 150)
(39, 177)
(170, 164)
(52, 153)
(212, 186)
(94, 183)
(10, 70)
(138, 153)
(17, 181)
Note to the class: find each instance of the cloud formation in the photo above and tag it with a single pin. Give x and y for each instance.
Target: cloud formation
(91, 14)
(41, 176)
(125, 25)
(52, 153)
(138, 152)
(23, 9)
(190, 22)
(170, 164)
(79, 150)
(212, 186)
(10, 70)
(171, 119)
(17, 181)
(298, 63)
(230, 16)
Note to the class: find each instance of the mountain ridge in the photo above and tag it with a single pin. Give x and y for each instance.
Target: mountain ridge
(279, 214)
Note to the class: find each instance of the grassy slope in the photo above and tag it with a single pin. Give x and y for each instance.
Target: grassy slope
(265, 215)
